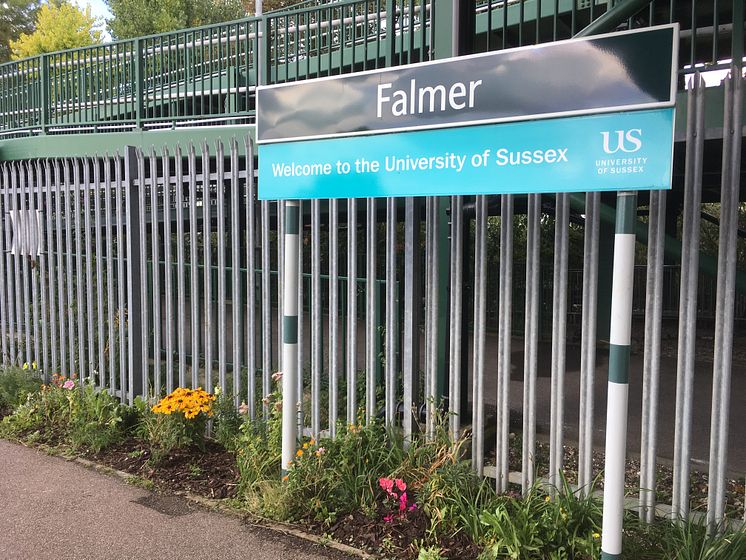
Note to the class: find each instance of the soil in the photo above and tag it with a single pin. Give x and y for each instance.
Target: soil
(399, 538)
(211, 473)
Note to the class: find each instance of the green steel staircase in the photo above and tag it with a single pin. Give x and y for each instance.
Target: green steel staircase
(208, 75)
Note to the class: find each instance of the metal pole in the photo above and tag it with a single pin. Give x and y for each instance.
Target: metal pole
(531, 343)
(504, 343)
(333, 315)
(351, 311)
(3, 310)
(290, 335)
(391, 335)
(250, 279)
(370, 311)
(316, 349)
(412, 307)
(480, 280)
(652, 353)
(726, 294)
(588, 342)
(559, 338)
(618, 386)
(688, 298)
(454, 381)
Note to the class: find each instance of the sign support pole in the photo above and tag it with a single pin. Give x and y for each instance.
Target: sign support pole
(290, 334)
(618, 385)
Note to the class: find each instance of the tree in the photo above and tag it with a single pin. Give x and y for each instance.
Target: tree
(16, 17)
(135, 18)
(59, 26)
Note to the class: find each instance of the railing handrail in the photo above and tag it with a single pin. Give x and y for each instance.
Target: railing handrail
(122, 82)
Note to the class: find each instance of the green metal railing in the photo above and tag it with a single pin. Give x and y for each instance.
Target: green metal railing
(208, 75)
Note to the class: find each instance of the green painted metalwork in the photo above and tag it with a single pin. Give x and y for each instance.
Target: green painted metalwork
(61, 146)
(207, 75)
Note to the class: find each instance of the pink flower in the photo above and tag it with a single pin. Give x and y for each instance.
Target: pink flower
(403, 502)
(69, 384)
(400, 484)
(243, 409)
(412, 507)
(276, 376)
(388, 518)
(386, 484)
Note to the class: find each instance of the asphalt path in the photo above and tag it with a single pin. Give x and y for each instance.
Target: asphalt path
(57, 509)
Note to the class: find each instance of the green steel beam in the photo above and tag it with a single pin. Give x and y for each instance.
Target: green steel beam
(83, 144)
(65, 145)
(612, 18)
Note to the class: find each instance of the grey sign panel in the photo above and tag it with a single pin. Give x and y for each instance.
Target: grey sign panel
(614, 72)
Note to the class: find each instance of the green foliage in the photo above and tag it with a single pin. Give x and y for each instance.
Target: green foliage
(44, 416)
(58, 26)
(15, 385)
(16, 17)
(96, 420)
(336, 477)
(226, 420)
(685, 540)
(430, 553)
(134, 18)
(453, 497)
(259, 449)
(165, 433)
(539, 527)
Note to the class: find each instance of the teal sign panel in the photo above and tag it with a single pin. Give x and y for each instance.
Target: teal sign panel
(603, 152)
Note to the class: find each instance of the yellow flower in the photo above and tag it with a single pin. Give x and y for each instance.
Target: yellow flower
(33, 365)
(596, 536)
(299, 453)
(25, 365)
(548, 499)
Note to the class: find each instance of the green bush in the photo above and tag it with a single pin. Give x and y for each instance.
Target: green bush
(15, 385)
(684, 540)
(96, 419)
(177, 421)
(226, 419)
(45, 415)
(538, 526)
(259, 450)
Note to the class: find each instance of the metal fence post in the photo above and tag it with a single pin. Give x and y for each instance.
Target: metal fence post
(136, 385)
(138, 78)
(44, 93)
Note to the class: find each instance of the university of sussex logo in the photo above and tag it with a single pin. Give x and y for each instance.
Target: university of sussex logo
(628, 141)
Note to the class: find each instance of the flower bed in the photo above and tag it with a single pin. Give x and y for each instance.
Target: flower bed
(365, 487)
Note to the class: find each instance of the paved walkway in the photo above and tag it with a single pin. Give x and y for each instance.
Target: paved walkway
(55, 509)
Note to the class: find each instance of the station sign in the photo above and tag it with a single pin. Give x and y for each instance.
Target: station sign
(579, 115)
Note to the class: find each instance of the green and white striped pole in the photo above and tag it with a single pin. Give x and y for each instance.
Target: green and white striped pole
(290, 335)
(618, 389)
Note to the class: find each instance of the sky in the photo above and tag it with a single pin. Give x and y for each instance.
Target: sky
(98, 10)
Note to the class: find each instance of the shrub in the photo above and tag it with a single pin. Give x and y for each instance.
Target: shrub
(538, 526)
(15, 385)
(45, 414)
(226, 419)
(178, 420)
(96, 419)
(259, 449)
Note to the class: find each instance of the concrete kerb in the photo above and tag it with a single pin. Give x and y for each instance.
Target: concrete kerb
(210, 504)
